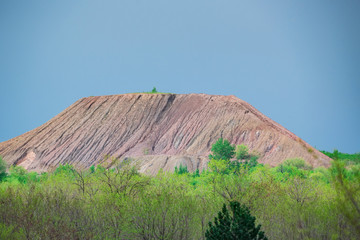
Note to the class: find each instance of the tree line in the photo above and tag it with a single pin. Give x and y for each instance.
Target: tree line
(234, 194)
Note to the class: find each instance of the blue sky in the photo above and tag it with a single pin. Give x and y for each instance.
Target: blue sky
(298, 62)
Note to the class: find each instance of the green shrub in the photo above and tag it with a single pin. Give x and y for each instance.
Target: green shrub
(293, 167)
(18, 173)
(64, 169)
(222, 149)
(92, 169)
(242, 152)
(297, 162)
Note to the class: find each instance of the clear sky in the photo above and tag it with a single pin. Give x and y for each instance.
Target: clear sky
(298, 62)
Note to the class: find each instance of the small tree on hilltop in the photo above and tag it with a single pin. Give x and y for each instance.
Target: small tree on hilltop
(239, 226)
(222, 149)
(154, 90)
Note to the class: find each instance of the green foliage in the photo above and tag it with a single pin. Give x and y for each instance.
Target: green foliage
(320, 174)
(115, 201)
(220, 166)
(19, 174)
(166, 210)
(253, 161)
(10, 232)
(196, 173)
(3, 168)
(345, 157)
(249, 163)
(154, 90)
(222, 149)
(240, 225)
(181, 170)
(298, 163)
(348, 193)
(293, 167)
(64, 169)
(242, 152)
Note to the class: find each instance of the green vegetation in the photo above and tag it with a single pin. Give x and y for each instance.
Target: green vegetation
(222, 149)
(2, 169)
(223, 152)
(290, 201)
(345, 157)
(348, 192)
(181, 170)
(154, 91)
(242, 152)
(240, 225)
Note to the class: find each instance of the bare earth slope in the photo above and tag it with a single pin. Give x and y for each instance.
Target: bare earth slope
(163, 130)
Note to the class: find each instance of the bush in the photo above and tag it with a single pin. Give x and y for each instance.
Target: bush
(242, 152)
(294, 167)
(222, 149)
(241, 225)
(253, 161)
(298, 163)
(18, 173)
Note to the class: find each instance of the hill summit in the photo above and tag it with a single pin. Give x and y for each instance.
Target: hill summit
(161, 130)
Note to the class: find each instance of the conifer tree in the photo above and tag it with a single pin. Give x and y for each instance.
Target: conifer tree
(239, 226)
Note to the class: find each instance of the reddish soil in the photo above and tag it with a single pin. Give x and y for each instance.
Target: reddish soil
(161, 130)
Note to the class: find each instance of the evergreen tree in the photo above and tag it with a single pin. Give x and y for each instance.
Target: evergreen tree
(239, 226)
